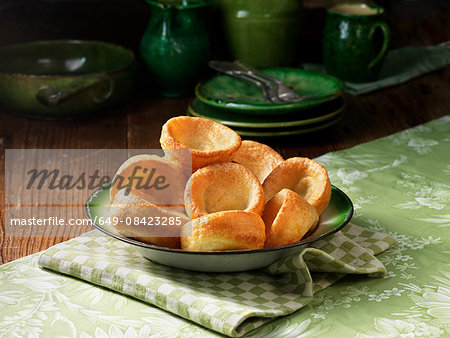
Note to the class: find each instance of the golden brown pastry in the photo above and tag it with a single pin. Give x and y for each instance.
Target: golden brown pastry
(311, 230)
(306, 177)
(210, 142)
(287, 217)
(151, 177)
(224, 197)
(224, 230)
(137, 218)
(223, 186)
(258, 157)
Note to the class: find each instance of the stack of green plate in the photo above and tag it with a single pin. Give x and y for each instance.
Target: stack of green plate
(240, 105)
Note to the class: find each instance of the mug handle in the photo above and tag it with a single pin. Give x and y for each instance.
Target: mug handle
(386, 41)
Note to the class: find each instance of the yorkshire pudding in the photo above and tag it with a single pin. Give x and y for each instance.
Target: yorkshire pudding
(258, 157)
(223, 186)
(224, 230)
(287, 217)
(210, 142)
(136, 218)
(304, 176)
(151, 177)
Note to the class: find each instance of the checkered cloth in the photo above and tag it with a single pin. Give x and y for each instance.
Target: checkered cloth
(230, 303)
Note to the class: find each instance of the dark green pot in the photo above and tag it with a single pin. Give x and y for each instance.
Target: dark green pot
(355, 41)
(176, 45)
(263, 33)
(64, 78)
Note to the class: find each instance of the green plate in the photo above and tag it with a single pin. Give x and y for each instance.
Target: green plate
(287, 132)
(280, 132)
(333, 219)
(323, 112)
(238, 95)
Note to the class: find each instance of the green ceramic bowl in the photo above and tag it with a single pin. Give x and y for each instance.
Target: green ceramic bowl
(64, 78)
(334, 218)
(241, 97)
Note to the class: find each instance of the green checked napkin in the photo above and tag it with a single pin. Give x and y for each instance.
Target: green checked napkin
(231, 303)
(400, 66)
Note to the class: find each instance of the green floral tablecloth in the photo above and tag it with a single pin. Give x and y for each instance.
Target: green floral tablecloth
(400, 185)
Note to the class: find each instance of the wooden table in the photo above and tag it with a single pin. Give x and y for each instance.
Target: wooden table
(137, 124)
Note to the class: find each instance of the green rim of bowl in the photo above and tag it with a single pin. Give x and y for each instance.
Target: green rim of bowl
(130, 55)
(339, 199)
(241, 86)
(196, 109)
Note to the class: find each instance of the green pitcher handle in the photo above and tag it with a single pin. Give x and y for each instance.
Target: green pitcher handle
(100, 88)
(168, 17)
(386, 41)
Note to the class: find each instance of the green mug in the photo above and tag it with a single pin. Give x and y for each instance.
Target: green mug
(355, 41)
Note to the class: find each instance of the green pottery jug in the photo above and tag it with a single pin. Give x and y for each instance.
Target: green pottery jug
(176, 46)
(263, 33)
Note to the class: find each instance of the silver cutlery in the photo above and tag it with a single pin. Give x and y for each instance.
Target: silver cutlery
(268, 90)
(285, 93)
(274, 90)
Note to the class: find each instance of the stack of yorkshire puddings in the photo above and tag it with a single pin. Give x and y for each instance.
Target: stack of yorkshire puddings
(241, 195)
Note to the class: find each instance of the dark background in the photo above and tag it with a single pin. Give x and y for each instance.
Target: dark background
(124, 22)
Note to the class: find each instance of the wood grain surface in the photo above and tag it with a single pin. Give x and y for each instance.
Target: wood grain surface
(137, 123)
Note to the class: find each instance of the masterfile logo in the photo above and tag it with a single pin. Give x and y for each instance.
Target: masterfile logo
(46, 190)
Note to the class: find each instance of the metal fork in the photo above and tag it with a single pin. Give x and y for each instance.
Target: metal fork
(284, 93)
(269, 91)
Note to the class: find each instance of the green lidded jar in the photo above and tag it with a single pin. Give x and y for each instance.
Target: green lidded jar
(176, 46)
